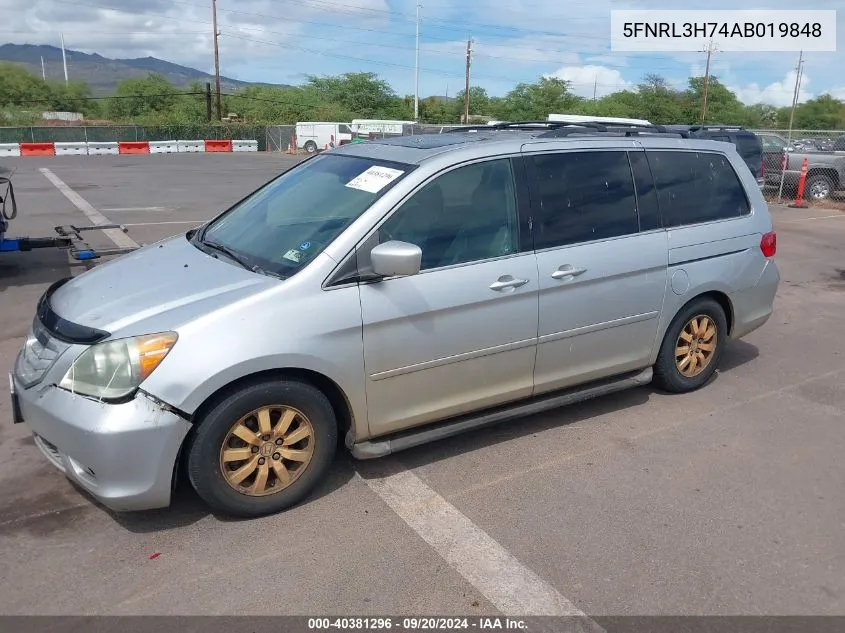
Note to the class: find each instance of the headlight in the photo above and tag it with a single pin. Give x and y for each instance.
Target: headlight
(114, 369)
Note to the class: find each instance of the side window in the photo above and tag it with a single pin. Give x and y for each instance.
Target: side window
(583, 196)
(467, 214)
(695, 187)
(344, 129)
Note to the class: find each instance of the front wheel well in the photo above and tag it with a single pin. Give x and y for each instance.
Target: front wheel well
(824, 171)
(329, 388)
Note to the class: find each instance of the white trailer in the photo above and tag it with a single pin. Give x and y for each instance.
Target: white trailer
(364, 127)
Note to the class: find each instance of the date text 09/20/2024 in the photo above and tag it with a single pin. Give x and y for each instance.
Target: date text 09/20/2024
(416, 624)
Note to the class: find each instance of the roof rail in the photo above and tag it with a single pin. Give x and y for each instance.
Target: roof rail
(553, 129)
(612, 131)
(696, 128)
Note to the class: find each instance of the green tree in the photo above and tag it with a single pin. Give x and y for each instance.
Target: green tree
(479, 103)
(822, 113)
(361, 93)
(723, 106)
(19, 87)
(535, 101)
(151, 97)
(658, 102)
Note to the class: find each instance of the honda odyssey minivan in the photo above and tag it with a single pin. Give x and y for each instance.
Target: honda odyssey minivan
(391, 293)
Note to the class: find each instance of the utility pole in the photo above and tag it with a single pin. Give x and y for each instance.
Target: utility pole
(595, 86)
(216, 58)
(799, 72)
(466, 91)
(64, 57)
(208, 100)
(417, 70)
(43, 72)
(710, 50)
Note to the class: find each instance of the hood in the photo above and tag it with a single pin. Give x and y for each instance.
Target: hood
(170, 282)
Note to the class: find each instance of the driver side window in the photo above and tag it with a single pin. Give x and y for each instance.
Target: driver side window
(467, 214)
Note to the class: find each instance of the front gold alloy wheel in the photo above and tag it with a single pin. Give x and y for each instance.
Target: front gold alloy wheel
(265, 451)
(695, 346)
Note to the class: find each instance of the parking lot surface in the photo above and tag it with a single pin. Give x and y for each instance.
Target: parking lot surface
(726, 501)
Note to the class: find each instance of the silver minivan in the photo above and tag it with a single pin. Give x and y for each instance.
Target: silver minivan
(391, 293)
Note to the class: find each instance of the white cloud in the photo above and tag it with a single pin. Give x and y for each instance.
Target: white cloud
(778, 93)
(590, 79)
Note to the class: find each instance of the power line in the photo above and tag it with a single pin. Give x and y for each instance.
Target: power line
(368, 30)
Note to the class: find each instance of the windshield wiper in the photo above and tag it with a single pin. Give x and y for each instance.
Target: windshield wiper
(228, 252)
(240, 260)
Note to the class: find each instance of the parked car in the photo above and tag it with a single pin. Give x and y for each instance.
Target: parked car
(747, 143)
(394, 293)
(313, 137)
(825, 171)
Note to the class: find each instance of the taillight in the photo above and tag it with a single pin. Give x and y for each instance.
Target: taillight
(769, 244)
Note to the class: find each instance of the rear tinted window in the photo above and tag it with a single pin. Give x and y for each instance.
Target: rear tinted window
(695, 187)
(748, 145)
(584, 196)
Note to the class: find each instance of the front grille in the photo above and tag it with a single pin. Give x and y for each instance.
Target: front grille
(38, 354)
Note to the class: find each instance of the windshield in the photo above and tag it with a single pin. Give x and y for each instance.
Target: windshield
(285, 224)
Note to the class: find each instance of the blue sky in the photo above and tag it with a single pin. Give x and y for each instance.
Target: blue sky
(515, 40)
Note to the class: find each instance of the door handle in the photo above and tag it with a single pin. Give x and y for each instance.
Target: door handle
(507, 282)
(567, 271)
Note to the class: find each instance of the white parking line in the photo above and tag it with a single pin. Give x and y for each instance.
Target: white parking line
(818, 217)
(508, 584)
(117, 236)
(134, 209)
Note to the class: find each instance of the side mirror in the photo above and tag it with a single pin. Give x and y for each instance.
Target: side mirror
(396, 259)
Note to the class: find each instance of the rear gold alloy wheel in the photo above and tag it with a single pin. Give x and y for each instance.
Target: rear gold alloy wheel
(695, 346)
(267, 450)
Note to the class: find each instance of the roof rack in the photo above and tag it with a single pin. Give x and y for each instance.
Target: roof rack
(552, 129)
(696, 128)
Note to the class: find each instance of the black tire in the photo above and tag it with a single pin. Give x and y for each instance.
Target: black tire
(204, 454)
(667, 375)
(310, 147)
(819, 187)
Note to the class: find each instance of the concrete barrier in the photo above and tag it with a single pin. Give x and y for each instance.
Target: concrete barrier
(71, 149)
(163, 147)
(218, 146)
(38, 149)
(10, 149)
(133, 147)
(244, 146)
(191, 146)
(98, 148)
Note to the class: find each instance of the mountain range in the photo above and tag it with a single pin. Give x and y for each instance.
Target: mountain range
(102, 73)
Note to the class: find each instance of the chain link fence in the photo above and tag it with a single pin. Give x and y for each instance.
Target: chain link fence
(825, 181)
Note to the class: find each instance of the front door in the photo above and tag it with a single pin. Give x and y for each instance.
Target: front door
(602, 261)
(461, 334)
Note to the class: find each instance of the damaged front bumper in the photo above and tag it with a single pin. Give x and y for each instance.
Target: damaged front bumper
(124, 455)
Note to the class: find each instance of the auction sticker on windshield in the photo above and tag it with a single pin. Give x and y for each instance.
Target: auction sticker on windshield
(374, 179)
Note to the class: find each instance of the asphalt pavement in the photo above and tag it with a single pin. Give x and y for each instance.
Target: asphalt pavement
(726, 501)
